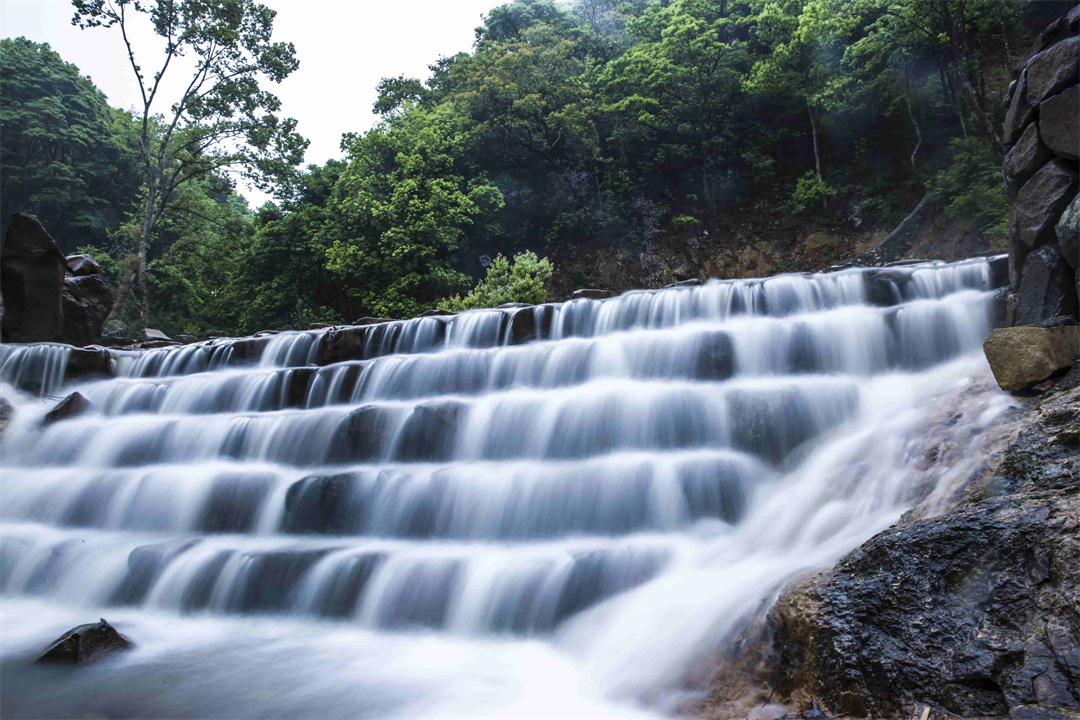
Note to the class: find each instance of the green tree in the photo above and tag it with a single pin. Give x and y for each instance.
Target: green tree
(65, 155)
(678, 88)
(222, 119)
(400, 209)
(519, 280)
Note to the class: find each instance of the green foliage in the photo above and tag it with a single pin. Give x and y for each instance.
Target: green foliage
(810, 191)
(65, 155)
(519, 280)
(973, 189)
(400, 208)
(685, 221)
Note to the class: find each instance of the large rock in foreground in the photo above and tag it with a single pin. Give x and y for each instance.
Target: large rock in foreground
(1021, 356)
(85, 644)
(31, 278)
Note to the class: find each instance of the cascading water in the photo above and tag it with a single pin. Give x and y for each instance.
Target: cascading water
(520, 512)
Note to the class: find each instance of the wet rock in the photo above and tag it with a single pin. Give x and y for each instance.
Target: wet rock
(73, 405)
(512, 306)
(1040, 202)
(1068, 234)
(531, 323)
(885, 288)
(1020, 112)
(437, 312)
(211, 334)
(371, 321)
(1022, 356)
(7, 412)
(87, 364)
(32, 281)
(591, 294)
(1026, 157)
(82, 265)
(87, 300)
(152, 334)
(1059, 122)
(1053, 70)
(1047, 288)
(360, 436)
(185, 339)
(85, 644)
(430, 431)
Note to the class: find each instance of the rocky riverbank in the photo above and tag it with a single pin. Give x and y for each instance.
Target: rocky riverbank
(969, 610)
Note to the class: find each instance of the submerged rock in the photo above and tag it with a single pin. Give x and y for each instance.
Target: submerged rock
(85, 644)
(73, 405)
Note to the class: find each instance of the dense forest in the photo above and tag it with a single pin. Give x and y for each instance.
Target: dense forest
(622, 125)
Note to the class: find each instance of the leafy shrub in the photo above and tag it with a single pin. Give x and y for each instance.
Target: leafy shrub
(685, 221)
(810, 191)
(518, 280)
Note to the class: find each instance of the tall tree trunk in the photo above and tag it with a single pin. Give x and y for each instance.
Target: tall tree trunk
(813, 134)
(914, 121)
(145, 231)
(121, 297)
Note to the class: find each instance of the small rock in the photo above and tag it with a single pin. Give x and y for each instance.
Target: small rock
(7, 411)
(185, 339)
(85, 644)
(1022, 356)
(591, 294)
(437, 312)
(371, 321)
(82, 265)
(73, 405)
(211, 334)
(1059, 122)
(152, 334)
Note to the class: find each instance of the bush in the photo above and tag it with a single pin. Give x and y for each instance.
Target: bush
(811, 191)
(518, 280)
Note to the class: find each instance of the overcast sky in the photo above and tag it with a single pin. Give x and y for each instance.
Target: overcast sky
(344, 46)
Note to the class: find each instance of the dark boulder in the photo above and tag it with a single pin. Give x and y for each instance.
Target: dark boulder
(87, 364)
(430, 432)
(1059, 122)
(32, 280)
(87, 300)
(73, 405)
(185, 339)
(211, 334)
(85, 644)
(82, 265)
(1026, 157)
(1020, 112)
(1068, 234)
(1047, 288)
(1040, 202)
(1053, 70)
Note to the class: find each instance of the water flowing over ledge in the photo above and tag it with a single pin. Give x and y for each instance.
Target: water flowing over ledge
(566, 504)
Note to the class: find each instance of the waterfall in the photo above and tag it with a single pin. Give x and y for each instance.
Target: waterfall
(549, 510)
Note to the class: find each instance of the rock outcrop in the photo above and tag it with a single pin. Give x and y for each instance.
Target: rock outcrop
(974, 612)
(49, 297)
(1042, 136)
(85, 644)
(32, 280)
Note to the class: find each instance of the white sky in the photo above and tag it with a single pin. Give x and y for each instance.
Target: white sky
(344, 46)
